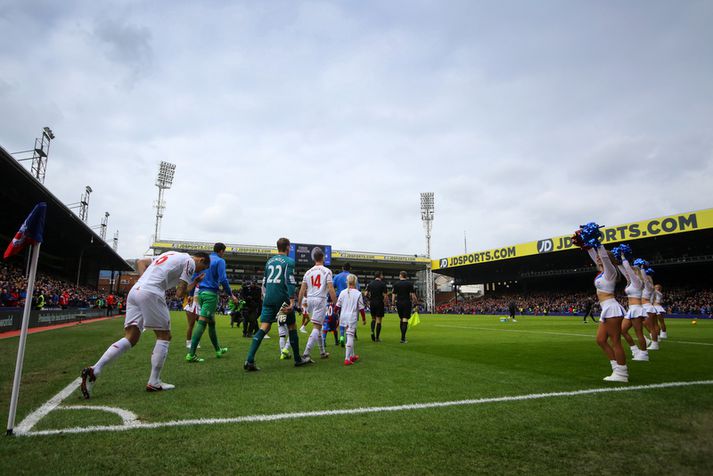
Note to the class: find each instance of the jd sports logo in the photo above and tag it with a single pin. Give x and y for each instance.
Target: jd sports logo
(444, 263)
(544, 246)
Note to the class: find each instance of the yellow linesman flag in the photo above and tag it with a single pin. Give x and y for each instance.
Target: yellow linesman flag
(415, 320)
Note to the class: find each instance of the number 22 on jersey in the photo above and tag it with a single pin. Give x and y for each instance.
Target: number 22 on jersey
(274, 274)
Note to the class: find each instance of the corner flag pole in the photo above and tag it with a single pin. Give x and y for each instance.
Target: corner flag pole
(30, 233)
(23, 338)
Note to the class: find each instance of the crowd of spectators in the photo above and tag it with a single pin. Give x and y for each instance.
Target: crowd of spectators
(50, 292)
(53, 293)
(676, 301)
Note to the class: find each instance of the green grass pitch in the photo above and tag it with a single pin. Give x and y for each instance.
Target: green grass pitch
(447, 358)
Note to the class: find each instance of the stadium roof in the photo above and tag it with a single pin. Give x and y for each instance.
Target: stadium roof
(66, 238)
(684, 238)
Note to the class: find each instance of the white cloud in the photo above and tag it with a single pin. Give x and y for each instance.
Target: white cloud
(323, 121)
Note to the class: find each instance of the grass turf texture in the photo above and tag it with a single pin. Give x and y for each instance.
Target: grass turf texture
(447, 358)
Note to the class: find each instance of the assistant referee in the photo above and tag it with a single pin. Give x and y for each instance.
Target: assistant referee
(403, 296)
(377, 292)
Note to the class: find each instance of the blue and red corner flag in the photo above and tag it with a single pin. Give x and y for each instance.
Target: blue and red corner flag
(30, 232)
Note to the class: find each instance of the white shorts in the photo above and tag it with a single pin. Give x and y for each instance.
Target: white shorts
(611, 308)
(635, 311)
(649, 308)
(659, 309)
(147, 310)
(193, 306)
(317, 309)
(349, 322)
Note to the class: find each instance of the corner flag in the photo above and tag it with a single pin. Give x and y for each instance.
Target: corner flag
(30, 232)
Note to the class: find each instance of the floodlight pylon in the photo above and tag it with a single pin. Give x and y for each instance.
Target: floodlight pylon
(427, 214)
(164, 180)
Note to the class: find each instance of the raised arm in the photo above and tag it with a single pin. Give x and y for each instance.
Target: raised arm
(623, 271)
(632, 276)
(609, 268)
(648, 282)
(592, 254)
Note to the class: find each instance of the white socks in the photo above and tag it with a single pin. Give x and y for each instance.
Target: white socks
(314, 337)
(111, 354)
(350, 346)
(322, 349)
(284, 342)
(158, 357)
(620, 373)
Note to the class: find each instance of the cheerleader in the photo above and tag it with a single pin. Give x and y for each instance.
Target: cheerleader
(660, 311)
(646, 298)
(609, 330)
(635, 314)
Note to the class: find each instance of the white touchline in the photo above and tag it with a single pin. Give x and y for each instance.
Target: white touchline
(357, 411)
(589, 336)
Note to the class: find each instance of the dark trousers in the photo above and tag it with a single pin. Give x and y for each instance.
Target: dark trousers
(250, 324)
(235, 318)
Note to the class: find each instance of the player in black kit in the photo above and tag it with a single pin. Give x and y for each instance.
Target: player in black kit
(403, 297)
(376, 292)
(588, 308)
(512, 308)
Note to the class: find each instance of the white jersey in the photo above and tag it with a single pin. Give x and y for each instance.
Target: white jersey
(316, 279)
(351, 302)
(165, 272)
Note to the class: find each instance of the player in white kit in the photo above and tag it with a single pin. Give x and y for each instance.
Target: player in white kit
(146, 309)
(316, 284)
(351, 303)
(305, 315)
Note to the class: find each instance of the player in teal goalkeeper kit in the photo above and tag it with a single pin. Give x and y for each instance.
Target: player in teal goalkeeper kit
(278, 302)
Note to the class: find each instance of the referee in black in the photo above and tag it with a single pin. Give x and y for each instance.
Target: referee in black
(376, 292)
(403, 297)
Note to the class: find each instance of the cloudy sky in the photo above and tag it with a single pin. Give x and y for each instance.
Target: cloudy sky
(323, 120)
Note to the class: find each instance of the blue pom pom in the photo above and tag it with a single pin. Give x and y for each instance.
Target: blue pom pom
(616, 251)
(650, 271)
(640, 263)
(625, 250)
(591, 236)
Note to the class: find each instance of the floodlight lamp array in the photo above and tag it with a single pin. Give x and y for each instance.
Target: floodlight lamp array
(165, 175)
(427, 206)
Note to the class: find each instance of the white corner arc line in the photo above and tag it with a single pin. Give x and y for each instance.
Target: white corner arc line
(363, 410)
(127, 417)
(31, 420)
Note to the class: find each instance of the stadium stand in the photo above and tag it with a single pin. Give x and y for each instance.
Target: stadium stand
(70, 259)
(553, 276)
(246, 262)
